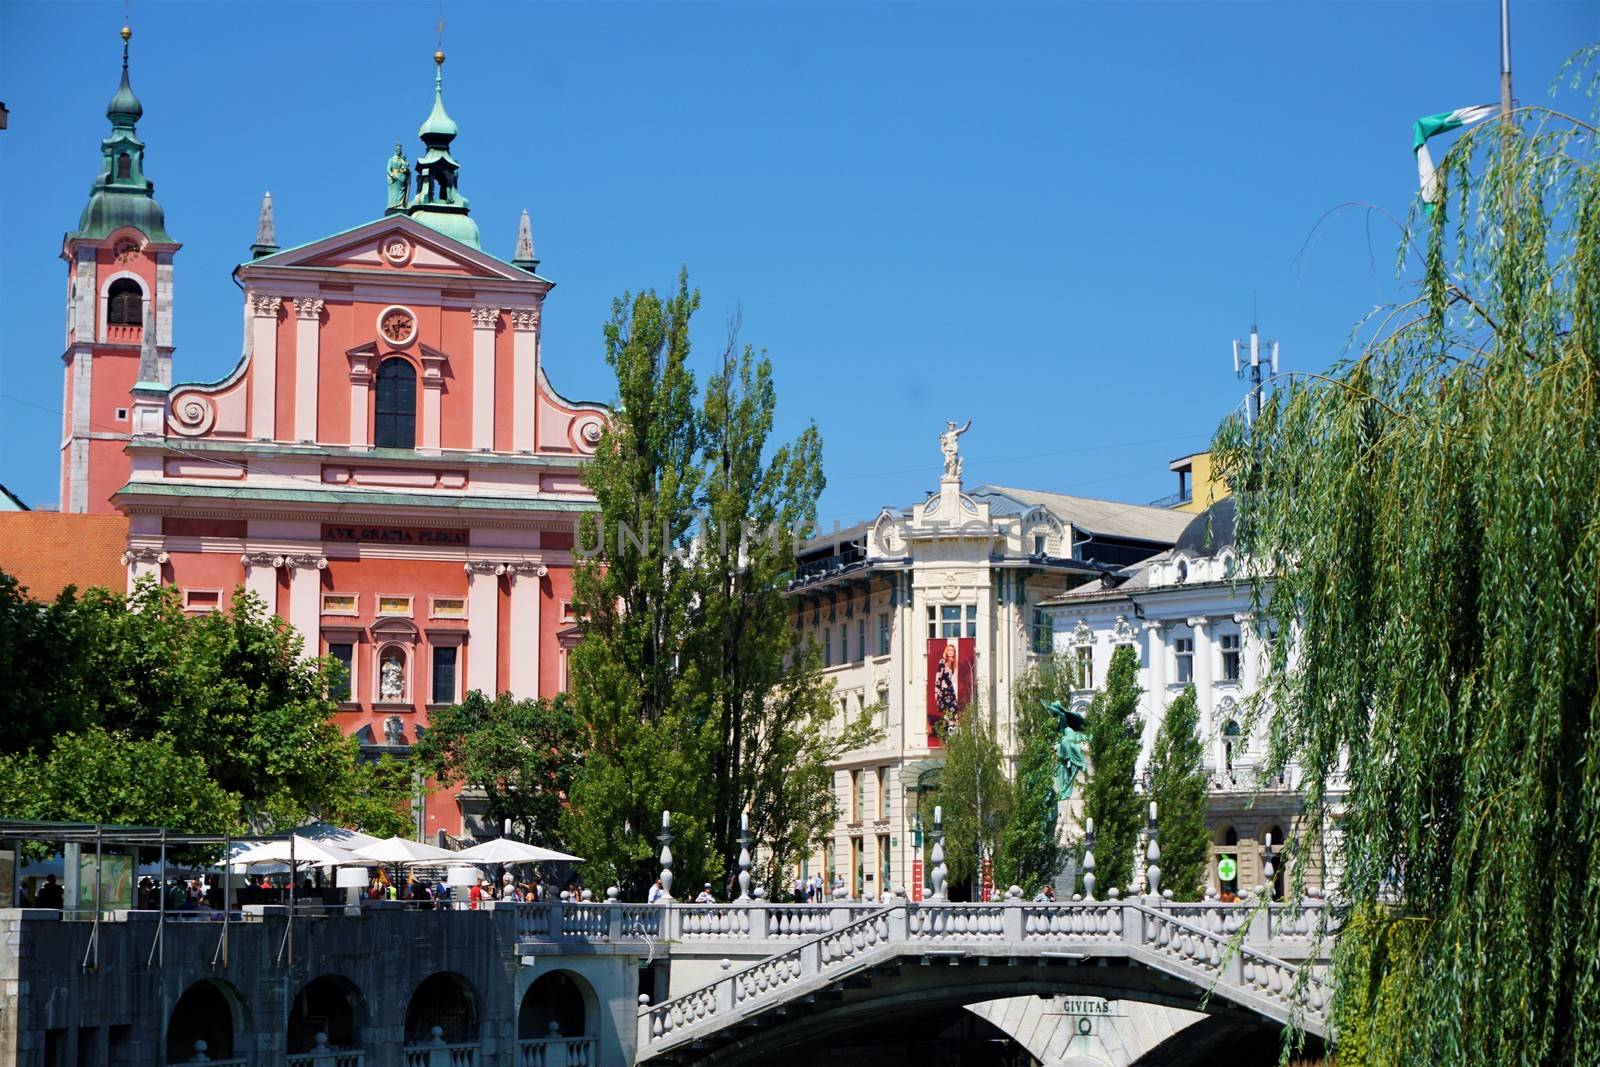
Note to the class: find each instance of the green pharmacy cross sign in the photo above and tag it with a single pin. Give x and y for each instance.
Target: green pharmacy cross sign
(1227, 869)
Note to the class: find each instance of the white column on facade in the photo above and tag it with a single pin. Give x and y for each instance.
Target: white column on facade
(1156, 650)
(524, 635)
(360, 382)
(261, 576)
(524, 377)
(305, 600)
(432, 393)
(483, 625)
(484, 320)
(1204, 670)
(264, 365)
(307, 329)
(143, 561)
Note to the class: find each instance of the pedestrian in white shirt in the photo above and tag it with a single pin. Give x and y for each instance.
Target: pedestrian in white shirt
(705, 896)
(657, 891)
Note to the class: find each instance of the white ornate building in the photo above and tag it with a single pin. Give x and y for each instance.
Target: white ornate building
(1188, 615)
(971, 567)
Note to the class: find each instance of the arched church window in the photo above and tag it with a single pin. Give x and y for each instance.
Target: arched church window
(124, 166)
(397, 405)
(125, 303)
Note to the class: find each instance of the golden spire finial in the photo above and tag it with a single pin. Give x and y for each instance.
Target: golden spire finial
(127, 32)
(438, 57)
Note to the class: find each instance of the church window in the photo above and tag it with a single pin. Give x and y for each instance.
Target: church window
(343, 654)
(125, 303)
(124, 165)
(444, 674)
(397, 405)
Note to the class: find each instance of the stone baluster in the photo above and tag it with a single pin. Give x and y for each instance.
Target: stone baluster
(940, 871)
(744, 857)
(665, 837)
(1267, 870)
(1088, 859)
(1152, 858)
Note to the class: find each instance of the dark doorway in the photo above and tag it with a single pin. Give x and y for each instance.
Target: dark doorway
(444, 1000)
(325, 1005)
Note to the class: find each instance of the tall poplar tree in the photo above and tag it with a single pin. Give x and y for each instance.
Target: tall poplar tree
(1110, 797)
(1178, 786)
(696, 695)
(770, 711)
(1429, 512)
(634, 589)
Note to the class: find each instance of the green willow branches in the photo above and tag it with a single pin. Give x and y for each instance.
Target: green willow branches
(1429, 511)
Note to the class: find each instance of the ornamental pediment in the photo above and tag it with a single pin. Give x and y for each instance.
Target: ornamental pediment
(392, 245)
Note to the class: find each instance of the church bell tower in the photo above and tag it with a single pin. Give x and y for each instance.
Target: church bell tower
(119, 311)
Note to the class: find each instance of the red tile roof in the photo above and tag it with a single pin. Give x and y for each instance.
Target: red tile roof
(47, 551)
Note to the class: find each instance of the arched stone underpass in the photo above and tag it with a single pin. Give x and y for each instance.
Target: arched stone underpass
(906, 987)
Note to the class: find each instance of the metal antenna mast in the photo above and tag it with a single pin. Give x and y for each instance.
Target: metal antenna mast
(1262, 357)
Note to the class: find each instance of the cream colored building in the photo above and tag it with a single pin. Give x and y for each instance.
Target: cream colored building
(961, 563)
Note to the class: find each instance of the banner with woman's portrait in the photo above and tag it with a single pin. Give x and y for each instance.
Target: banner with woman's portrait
(950, 674)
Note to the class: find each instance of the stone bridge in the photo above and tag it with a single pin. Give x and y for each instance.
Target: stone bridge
(749, 979)
(560, 984)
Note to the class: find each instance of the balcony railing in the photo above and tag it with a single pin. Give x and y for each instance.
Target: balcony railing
(558, 1052)
(324, 1056)
(441, 1053)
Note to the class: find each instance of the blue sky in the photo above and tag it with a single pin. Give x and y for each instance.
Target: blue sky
(1049, 218)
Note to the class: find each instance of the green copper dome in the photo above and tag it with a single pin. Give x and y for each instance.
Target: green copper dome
(122, 195)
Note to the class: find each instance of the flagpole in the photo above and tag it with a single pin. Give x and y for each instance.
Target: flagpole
(1505, 59)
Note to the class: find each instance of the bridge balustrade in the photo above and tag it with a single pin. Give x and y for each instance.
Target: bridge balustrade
(1205, 957)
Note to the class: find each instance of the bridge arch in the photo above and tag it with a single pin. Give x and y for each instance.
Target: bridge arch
(559, 1003)
(444, 1000)
(329, 1004)
(207, 1019)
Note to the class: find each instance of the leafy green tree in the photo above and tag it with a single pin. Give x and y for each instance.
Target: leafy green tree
(975, 795)
(1031, 853)
(99, 776)
(696, 695)
(1428, 514)
(1110, 797)
(226, 693)
(1178, 786)
(772, 714)
(651, 742)
(522, 755)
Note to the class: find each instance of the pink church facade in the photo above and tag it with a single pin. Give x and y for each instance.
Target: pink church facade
(387, 466)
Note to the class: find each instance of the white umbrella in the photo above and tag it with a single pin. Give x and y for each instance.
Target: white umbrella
(328, 833)
(400, 850)
(316, 853)
(504, 850)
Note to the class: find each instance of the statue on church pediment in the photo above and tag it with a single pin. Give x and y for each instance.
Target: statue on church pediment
(948, 447)
(399, 172)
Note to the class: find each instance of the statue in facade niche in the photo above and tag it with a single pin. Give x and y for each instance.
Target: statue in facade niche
(391, 680)
(399, 171)
(947, 447)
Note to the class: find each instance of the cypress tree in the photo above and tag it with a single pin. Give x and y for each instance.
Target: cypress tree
(1110, 798)
(1178, 786)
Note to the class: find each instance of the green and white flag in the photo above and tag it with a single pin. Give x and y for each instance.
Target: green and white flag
(1429, 125)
